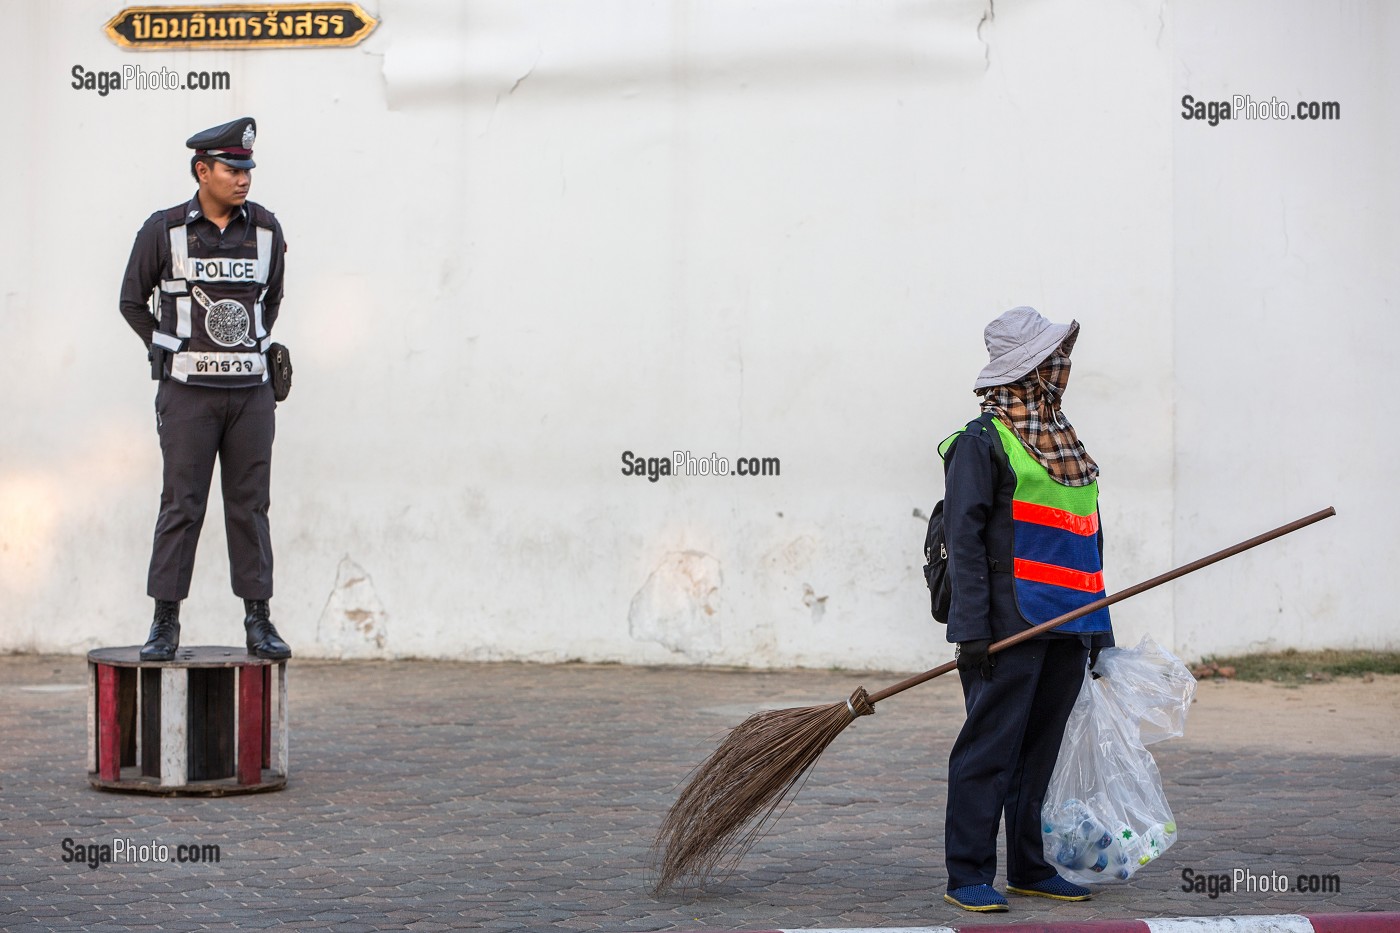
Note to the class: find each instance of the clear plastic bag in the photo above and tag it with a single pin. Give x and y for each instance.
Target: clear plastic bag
(1151, 685)
(1105, 814)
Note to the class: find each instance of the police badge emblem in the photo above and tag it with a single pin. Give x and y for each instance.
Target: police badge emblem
(226, 322)
(248, 136)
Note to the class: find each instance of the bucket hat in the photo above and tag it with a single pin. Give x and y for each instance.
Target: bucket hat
(1017, 342)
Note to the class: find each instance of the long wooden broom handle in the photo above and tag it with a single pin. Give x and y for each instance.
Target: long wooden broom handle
(1098, 604)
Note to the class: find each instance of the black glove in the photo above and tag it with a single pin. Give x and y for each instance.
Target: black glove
(972, 655)
(1094, 659)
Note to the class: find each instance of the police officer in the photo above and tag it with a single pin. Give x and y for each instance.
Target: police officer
(202, 290)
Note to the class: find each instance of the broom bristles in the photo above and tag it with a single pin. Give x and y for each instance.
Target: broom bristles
(735, 793)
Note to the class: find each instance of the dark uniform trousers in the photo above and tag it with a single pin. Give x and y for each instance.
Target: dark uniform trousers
(1004, 756)
(198, 424)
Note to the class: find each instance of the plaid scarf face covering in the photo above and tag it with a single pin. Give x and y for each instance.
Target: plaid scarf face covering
(1030, 407)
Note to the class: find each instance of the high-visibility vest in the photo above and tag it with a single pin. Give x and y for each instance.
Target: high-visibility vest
(1055, 543)
(211, 302)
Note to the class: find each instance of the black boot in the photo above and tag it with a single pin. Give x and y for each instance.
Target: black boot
(165, 632)
(263, 640)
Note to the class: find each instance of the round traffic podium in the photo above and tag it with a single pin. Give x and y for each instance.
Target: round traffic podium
(212, 721)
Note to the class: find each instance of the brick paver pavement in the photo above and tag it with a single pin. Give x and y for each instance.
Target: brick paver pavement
(439, 796)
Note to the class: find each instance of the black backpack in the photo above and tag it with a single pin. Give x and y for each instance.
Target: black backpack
(936, 567)
(940, 589)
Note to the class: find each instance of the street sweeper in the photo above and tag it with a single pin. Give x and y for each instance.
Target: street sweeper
(1020, 547)
(1024, 545)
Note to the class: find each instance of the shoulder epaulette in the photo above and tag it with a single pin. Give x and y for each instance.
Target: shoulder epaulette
(262, 217)
(175, 216)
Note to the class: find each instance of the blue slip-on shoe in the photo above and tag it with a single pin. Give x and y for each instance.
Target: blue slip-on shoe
(1055, 888)
(982, 898)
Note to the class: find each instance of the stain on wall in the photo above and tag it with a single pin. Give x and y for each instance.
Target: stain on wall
(678, 607)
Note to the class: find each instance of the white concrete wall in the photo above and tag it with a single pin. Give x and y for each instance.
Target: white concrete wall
(527, 236)
(1285, 331)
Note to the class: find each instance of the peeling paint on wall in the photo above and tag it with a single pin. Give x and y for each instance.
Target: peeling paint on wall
(793, 557)
(354, 623)
(678, 606)
(812, 601)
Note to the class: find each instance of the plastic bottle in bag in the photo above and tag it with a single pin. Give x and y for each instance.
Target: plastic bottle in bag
(1106, 785)
(1080, 837)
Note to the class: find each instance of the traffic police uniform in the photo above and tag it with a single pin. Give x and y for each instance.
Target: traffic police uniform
(216, 296)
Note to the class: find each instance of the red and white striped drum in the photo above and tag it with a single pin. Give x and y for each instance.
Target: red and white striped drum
(212, 721)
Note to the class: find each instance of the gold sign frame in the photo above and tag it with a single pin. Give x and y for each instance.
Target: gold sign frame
(241, 26)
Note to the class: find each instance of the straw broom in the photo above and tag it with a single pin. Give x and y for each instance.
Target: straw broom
(736, 793)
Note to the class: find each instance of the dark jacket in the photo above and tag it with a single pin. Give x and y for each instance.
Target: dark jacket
(979, 486)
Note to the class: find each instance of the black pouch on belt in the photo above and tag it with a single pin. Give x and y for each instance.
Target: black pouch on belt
(157, 357)
(279, 366)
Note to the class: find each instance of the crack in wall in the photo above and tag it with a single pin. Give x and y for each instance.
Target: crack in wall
(354, 622)
(988, 16)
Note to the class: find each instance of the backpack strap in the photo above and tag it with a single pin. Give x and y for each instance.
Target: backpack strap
(983, 423)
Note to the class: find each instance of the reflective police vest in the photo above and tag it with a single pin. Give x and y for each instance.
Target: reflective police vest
(1055, 543)
(210, 314)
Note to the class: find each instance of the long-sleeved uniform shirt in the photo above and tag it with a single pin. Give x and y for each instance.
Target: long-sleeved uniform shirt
(150, 260)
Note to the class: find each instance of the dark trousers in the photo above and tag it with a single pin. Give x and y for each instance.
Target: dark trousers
(1002, 761)
(197, 425)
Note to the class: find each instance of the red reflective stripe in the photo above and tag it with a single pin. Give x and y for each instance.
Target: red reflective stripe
(1036, 572)
(1055, 518)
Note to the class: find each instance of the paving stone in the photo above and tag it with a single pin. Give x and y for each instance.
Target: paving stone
(415, 802)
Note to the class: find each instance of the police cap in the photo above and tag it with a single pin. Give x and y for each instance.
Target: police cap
(231, 144)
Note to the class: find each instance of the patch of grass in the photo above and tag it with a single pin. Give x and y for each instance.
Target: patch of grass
(1295, 667)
